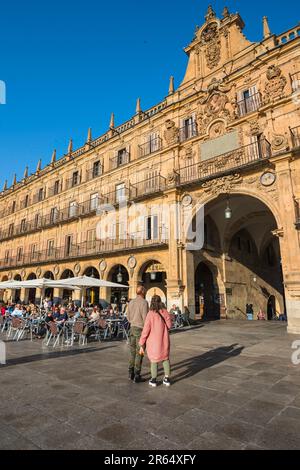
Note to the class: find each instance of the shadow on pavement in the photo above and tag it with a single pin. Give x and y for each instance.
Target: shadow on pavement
(196, 364)
(51, 355)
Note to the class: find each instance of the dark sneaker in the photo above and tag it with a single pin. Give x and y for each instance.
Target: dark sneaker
(137, 379)
(153, 383)
(131, 374)
(167, 382)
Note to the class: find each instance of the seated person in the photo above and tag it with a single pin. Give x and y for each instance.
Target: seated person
(261, 315)
(17, 312)
(61, 318)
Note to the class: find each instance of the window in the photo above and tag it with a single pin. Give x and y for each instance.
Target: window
(26, 201)
(13, 207)
(188, 128)
(23, 225)
(94, 202)
(53, 215)
(56, 187)
(154, 142)
(68, 245)
(41, 194)
(248, 101)
(19, 253)
(50, 247)
(33, 251)
(152, 181)
(73, 209)
(36, 220)
(151, 227)
(91, 239)
(96, 169)
(122, 157)
(6, 256)
(11, 229)
(75, 178)
(120, 192)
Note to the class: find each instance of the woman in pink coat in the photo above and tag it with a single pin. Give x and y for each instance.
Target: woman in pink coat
(155, 337)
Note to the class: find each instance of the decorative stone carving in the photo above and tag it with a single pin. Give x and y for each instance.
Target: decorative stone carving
(77, 268)
(171, 133)
(213, 104)
(210, 14)
(275, 85)
(211, 39)
(38, 272)
(225, 13)
(217, 129)
(172, 179)
(56, 270)
(222, 185)
(279, 142)
(255, 127)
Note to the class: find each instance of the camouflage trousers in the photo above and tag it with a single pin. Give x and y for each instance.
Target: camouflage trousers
(136, 360)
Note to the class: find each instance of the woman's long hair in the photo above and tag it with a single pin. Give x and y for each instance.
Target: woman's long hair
(156, 304)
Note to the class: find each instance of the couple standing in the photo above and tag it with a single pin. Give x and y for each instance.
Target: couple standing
(149, 329)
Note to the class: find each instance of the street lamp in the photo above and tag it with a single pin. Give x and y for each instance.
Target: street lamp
(153, 272)
(119, 276)
(228, 211)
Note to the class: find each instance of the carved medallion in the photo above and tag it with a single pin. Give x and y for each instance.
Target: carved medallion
(275, 85)
(77, 268)
(171, 133)
(279, 142)
(102, 265)
(210, 38)
(132, 262)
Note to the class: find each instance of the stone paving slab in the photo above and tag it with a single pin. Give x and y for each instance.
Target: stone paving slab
(234, 387)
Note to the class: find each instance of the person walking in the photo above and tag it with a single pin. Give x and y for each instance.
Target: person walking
(155, 337)
(136, 316)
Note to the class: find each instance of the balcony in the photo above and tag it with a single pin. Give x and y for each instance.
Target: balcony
(83, 250)
(188, 131)
(94, 172)
(249, 105)
(55, 189)
(39, 197)
(225, 163)
(121, 159)
(116, 197)
(295, 134)
(148, 187)
(72, 182)
(152, 146)
(295, 81)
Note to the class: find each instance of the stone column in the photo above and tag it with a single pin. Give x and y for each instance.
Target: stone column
(174, 282)
(38, 295)
(289, 244)
(189, 281)
(57, 295)
(76, 297)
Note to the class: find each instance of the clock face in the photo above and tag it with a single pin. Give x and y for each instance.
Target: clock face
(132, 262)
(268, 178)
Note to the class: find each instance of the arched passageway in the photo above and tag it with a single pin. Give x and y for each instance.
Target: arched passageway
(240, 262)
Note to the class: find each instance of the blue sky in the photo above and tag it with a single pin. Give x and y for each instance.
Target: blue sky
(68, 64)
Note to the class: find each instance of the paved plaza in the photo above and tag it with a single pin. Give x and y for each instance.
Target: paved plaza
(234, 387)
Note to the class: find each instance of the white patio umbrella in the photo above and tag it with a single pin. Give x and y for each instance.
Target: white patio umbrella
(86, 282)
(42, 283)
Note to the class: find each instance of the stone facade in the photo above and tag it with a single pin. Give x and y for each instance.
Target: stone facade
(227, 138)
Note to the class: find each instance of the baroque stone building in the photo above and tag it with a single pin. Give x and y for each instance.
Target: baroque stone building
(229, 139)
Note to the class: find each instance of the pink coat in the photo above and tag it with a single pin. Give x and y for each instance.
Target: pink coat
(155, 336)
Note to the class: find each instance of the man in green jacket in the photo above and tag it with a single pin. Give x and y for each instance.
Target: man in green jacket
(136, 315)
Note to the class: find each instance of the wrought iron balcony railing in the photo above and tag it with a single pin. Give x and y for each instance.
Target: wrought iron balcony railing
(295, 133)
(94, 172)
(235, 159)
(121, 159)
(86, 249)
(72, 182)
(55, 189)
(249, 105)
(188, 131)
(149, 186)
(152, 146)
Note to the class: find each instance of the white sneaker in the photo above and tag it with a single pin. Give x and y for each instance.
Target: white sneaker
(167, 382)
